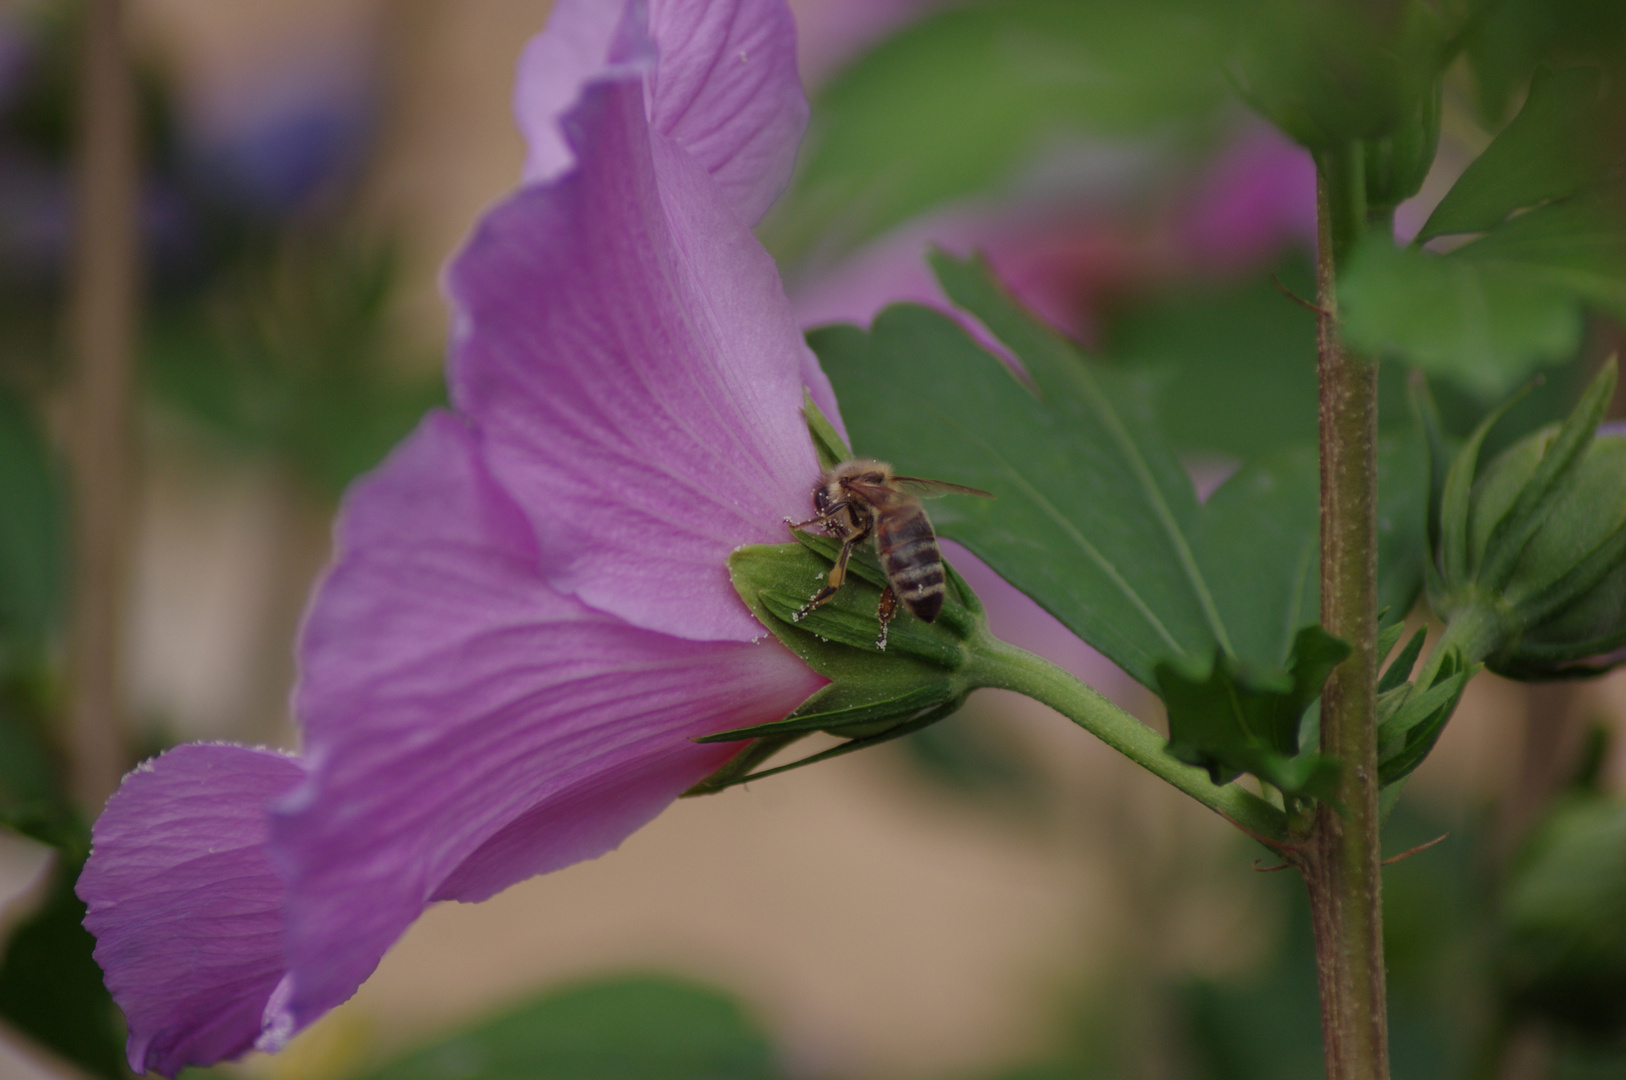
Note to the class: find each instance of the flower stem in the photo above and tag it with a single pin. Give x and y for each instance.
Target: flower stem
(101, 330)
(1001, 666)
(1341, 861)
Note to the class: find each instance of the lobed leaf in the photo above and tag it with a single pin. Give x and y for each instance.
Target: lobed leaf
(1095, 518)
(1229, 720)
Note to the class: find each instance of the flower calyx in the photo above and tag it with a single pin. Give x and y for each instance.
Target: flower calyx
(881, 686)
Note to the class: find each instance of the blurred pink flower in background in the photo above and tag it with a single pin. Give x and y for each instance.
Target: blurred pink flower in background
(1251, 200)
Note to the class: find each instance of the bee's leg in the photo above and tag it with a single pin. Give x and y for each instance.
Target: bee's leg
(884, 611)
(838, 577)
(818, 519)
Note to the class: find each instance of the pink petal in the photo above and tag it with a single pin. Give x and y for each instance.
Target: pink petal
(553, 72)
(623, 342)
(184, 905)
(726, 90)
(468, 727)
(722, 85)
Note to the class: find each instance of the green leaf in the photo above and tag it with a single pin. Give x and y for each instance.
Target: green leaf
(1551, 150)
(1484, 324)
(1491, 312)
(1229, 720)
(651, 1027)
(1509, 39)
(1094, 517)
(1578, 245)
(1561, 950)
(958, 102)
(1224, 370)
(51, 989)
(1327, 74)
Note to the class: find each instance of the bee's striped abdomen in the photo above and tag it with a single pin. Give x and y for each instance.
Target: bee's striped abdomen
(913, 564)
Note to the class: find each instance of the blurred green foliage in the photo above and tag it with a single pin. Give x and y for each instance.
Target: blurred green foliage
(1563, 919)
(290, 357)
(50, 987)
(649, 1027)
(957, 103)
(32, 534)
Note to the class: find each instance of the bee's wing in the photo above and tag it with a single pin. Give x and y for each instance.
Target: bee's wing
(932, 489)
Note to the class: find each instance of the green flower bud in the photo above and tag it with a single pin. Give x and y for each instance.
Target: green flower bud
(1529, 568)
(1586, 525)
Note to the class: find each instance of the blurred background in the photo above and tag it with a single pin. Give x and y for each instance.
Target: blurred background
(996, 897)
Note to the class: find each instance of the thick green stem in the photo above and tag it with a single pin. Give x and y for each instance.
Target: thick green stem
(1341, 861)
(1005, 667)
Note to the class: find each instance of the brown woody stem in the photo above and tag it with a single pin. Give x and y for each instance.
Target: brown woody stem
(1341, 861)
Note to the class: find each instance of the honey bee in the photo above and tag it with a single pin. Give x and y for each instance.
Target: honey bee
(862, 498)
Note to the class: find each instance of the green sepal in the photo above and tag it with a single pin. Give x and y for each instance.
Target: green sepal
(1230, 720)
(1410, 726)
(874, 695)
(827, 442)
(1388, 636)
(1547, 485)
(829, 711)
(1439, 466)
(1453, 555)
(1396, 674)
(739, 767)
(1398, 163)
(860, 631)
(894, 731)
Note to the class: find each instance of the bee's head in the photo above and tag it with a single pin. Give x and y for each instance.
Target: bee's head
(862, 470)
